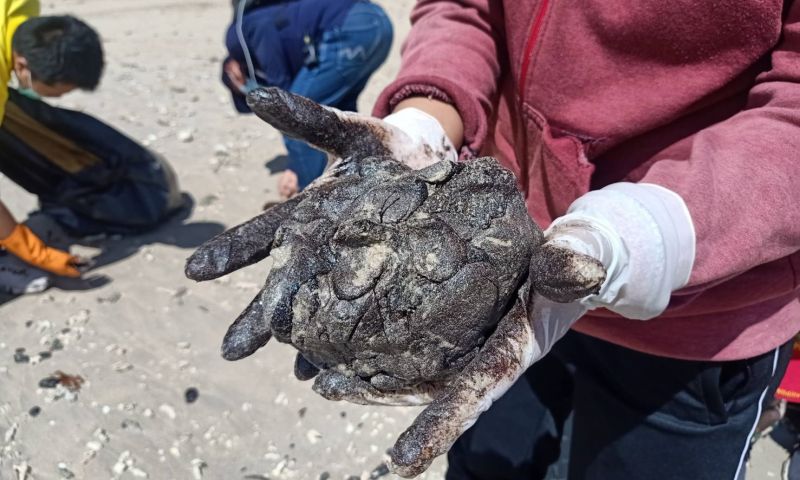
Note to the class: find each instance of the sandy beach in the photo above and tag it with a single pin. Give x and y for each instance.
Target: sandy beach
(157, 401)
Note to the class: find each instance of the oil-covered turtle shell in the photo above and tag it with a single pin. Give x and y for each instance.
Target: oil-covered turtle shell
(397, 276)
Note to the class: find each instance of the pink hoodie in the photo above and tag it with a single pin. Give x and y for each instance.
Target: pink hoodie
(700, 97)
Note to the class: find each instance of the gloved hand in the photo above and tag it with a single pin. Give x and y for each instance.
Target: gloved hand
(642, 234)
(411, 136)
(23, 243)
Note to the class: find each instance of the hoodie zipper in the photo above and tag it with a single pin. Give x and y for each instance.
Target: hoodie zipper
(530, 43)
(533, 36)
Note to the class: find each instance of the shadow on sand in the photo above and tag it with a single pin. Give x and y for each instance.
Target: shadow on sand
(175, 231)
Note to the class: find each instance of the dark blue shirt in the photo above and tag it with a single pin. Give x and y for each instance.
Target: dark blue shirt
(275, 35)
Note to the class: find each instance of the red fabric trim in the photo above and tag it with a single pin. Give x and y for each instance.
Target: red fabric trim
(529, 45)
(419, 90)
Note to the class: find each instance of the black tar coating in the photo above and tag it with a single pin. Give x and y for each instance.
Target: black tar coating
(380, 271)
(554, 275)
(190, 395)
(242, 245)
(434, 430)
(48, 382)
(301, 118)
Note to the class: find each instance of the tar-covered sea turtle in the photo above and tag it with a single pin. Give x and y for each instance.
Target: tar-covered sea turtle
(397, 286)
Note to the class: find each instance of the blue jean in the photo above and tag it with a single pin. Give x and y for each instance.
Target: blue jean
(591, 410)
(348, 55)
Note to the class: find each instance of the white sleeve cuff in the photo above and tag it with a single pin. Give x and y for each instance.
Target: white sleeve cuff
(643, 234)
(423, 128)
(672, 217)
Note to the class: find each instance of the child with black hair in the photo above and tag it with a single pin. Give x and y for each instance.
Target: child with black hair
(54, 55)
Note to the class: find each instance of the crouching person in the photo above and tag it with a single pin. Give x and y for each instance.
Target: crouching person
(325, 50)
(88, 177)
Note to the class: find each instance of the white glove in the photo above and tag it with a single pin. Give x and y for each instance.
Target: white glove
(421, 134)
(642, 234)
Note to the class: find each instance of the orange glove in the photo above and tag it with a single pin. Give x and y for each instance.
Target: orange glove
(23, 243)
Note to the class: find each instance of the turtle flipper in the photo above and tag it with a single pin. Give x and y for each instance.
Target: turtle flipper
(501, 361)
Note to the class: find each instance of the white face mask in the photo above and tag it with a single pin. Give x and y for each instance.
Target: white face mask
(28, 90)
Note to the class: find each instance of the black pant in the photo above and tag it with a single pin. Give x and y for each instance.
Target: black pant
(595, 410)
(89, 177)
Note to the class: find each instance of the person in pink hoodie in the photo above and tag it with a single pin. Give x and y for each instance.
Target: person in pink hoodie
(662, 138)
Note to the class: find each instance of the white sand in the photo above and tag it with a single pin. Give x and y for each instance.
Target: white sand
(141, 340)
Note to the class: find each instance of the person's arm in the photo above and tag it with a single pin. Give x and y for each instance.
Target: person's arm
(20, 241)
(266, 54)
(440, 68)
(234, 70)
(740, 179)
(233, 78)
(7, 222)
(15, 12)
